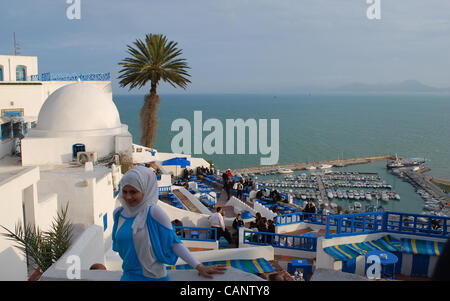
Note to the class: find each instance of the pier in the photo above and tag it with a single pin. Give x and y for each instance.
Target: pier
(428, 186)
(300, 166)
(323, 193)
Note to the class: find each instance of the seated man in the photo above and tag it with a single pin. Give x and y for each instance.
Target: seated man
(217, 222)
(238, 222)
(178, 223)
(309, 208)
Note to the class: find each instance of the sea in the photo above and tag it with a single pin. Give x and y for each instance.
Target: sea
(316, 127)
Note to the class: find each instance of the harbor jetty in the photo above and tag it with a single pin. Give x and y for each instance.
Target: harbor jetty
(300, 166)
(425, 183)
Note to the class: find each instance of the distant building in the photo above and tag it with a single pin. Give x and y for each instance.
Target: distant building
(23, 92)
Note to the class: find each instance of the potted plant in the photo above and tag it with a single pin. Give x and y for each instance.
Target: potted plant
(42, 248)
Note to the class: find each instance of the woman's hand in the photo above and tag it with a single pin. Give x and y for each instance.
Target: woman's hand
(207, 271)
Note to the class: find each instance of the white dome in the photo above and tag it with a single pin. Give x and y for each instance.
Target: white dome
(78, 107)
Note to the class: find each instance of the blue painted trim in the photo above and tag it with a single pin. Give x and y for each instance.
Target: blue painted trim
(71, 76)
(164, 189)
(195, 233)
(105, 222)
(308, 244)
(390, 222)
(370, 222)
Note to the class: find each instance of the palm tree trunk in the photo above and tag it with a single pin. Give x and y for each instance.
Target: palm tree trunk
(149, 120)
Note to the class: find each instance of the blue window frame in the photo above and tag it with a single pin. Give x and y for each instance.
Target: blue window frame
(21, 73)
(6, 130)
(1, 73)
(13, 113)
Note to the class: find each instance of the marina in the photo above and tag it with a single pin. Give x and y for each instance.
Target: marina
(359, 189)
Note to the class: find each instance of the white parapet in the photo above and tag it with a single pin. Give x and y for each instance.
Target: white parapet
(265, 212)
(266, 252)
(86, 250)
(195, 201)
(240, 206)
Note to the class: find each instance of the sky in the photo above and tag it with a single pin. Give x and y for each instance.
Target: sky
(242, 46)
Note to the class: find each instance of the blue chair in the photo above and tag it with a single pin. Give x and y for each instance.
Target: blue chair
(246, 215)
(300, 264)
(223, 243)
(194, 234)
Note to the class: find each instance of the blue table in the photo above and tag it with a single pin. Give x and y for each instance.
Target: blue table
(246, 215)
(387, 261)
(300, 264)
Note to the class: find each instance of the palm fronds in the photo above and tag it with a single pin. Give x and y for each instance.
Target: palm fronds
(154, 59)
(42, 247)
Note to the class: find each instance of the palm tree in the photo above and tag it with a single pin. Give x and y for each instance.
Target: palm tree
(153, 60)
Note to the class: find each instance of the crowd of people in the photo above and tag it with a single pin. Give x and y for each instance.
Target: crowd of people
(200, 170)
(205, 171)
(272, 196)
(239, 185)
(262, 224)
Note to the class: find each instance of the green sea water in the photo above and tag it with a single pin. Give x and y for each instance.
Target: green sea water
(320, 127)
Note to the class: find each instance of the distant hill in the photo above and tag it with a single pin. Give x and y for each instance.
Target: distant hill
(405, 86)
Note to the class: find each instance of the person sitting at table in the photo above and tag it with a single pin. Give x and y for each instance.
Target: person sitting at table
(310, 207)
(270, 229)
(238, 222)
(178, 223)
(264, 227)
(217, 222)
(435, 224)
(240, 188)
(254, 224)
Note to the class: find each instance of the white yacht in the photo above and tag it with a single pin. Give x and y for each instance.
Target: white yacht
(285, 170)
(310, 167)
(368, 196)
(325, 166)
(329, 194)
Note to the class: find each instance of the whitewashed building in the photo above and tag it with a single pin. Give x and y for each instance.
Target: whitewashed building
(71, 117)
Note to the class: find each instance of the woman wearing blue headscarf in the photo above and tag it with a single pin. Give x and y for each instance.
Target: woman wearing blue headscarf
(143, 234)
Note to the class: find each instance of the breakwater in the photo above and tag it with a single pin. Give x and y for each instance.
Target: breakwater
(300, 166)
